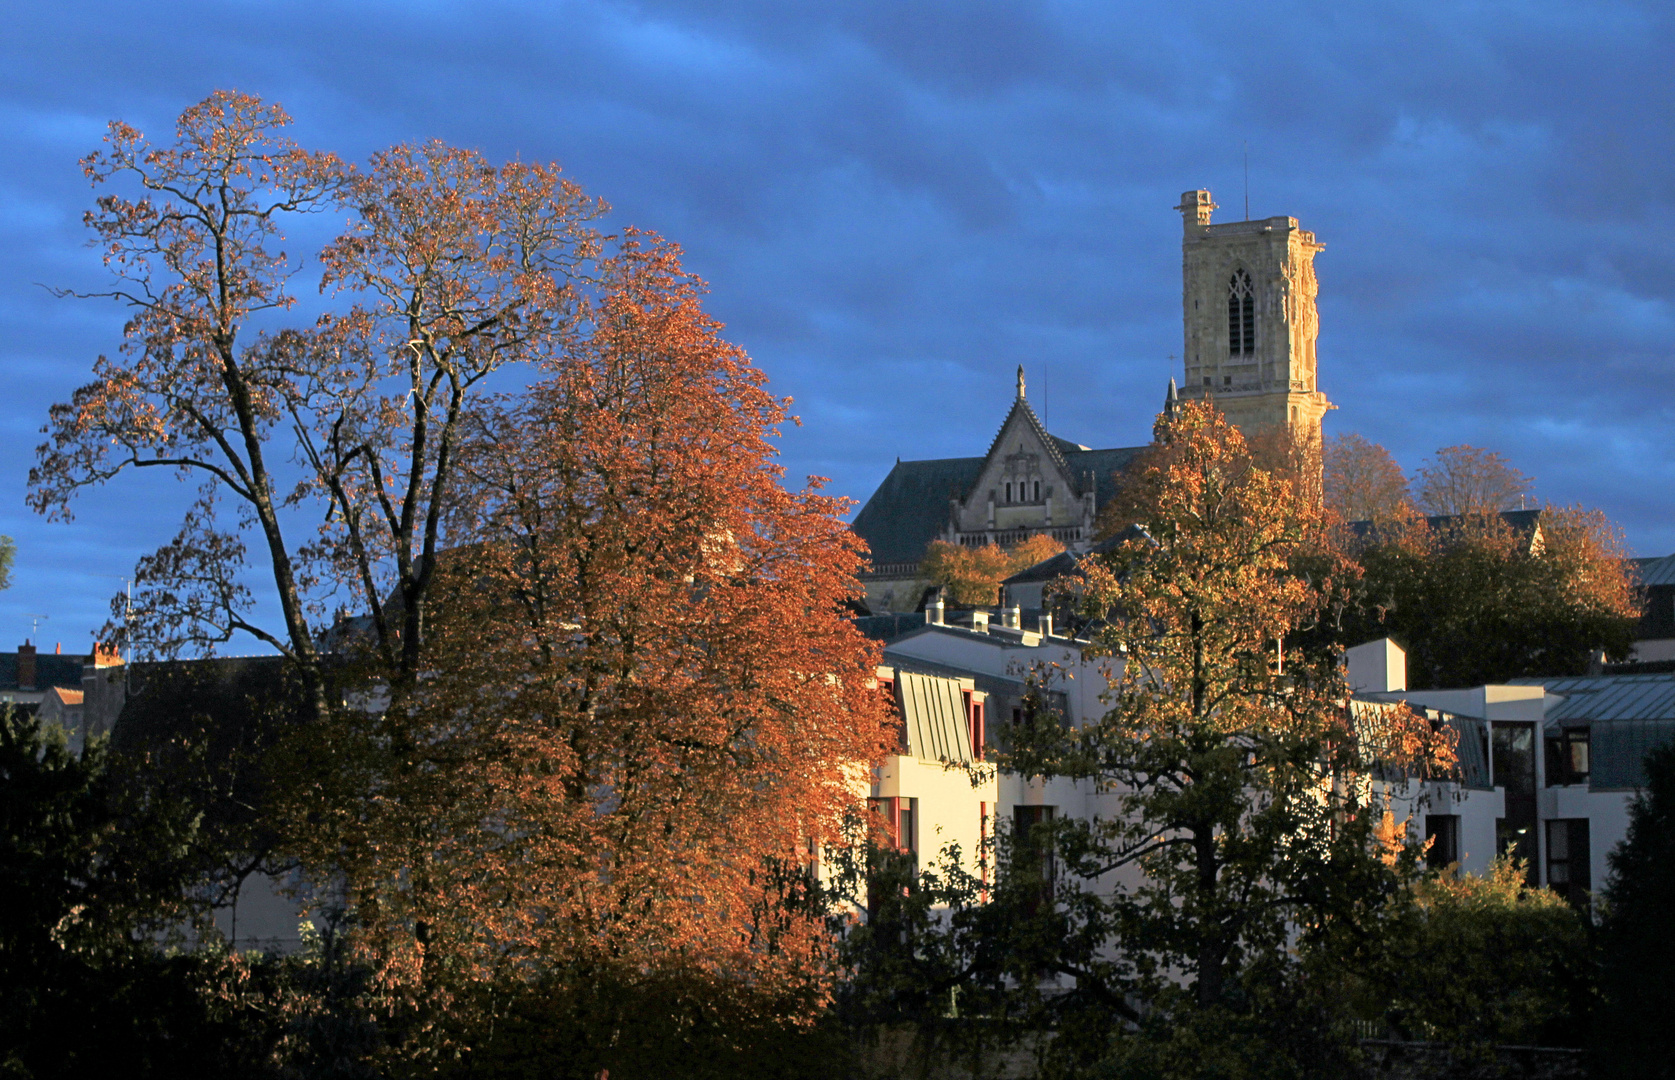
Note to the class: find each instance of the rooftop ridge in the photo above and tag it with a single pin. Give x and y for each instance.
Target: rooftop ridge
(1047, 440)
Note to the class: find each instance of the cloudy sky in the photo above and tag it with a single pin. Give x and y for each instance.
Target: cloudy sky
(898, 202)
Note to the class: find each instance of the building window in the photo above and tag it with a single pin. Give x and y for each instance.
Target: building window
(1443, 832)
(1567, 859)
(1008, 491)
(892, 824)
(974, 723)
(1033, 845)
(1037, 496)
(1567, 757)
(890, 830)
(1513, 768)
(1241, 315)
(887, 688)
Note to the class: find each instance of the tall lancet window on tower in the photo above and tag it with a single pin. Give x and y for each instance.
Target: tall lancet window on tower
(1241, 315)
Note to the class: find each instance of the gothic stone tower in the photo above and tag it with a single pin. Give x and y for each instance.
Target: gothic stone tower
(1249, 292)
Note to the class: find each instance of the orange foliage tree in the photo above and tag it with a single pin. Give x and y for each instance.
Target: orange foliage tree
(972, 575)
(1242, 825)
(601, 698)
(1362, 481)
(644, 703)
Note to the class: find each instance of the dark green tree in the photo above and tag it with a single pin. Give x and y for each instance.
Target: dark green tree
(1475, 961)
(96, 886)
(1635, 1038)
(1475, 600)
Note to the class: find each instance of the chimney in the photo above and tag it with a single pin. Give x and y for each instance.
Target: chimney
(934, 611)
(105, 655)
(1013, 618)
(1378, 666)
(1046, 625)
(26, 666)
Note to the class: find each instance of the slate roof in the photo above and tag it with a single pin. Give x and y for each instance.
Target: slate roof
(212, 720)
(51, 669)
(999, 685)
(1608, 697)
(1064, 563)
(1005, 692)
(1627, 716)
(1658, 571)
(890, 626)
(1522, 522)
(910, 507)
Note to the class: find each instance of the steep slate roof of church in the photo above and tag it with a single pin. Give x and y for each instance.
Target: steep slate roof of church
(910, 507)
(1523, 522)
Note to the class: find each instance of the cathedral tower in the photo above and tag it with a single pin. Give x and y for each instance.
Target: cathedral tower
(1250, 318)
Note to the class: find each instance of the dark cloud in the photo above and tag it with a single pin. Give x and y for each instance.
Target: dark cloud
(897, 203)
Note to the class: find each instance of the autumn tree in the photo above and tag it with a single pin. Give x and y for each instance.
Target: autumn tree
(1236, 832)
(646, 702)
(972, 575)
(1476, 600)
(1468, 480)
(449, 269)
(588, 697)
(1362, 481)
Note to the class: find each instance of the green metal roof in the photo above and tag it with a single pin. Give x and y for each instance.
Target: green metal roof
(934, 712)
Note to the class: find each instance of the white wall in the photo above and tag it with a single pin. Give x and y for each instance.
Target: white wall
(950, 809)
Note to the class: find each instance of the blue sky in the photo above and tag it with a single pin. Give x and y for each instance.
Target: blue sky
(897, 203)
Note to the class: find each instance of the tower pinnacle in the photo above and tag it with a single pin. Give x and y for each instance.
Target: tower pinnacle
(1020, 382)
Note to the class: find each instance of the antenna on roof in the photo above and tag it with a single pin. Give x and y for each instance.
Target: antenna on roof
(35, 622)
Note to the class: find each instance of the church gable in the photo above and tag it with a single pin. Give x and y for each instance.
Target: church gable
(1024, 479)
(1023, 467)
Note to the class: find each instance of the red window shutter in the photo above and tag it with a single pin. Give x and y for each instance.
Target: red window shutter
(886, 823)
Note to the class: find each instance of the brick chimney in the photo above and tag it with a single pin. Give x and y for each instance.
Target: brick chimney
(26, 666)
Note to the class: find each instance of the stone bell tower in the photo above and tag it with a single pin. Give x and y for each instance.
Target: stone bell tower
(1248, 300)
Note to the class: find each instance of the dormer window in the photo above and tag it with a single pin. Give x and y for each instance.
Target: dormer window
(1037, 497)
(1008, 491)
(1241, 315)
